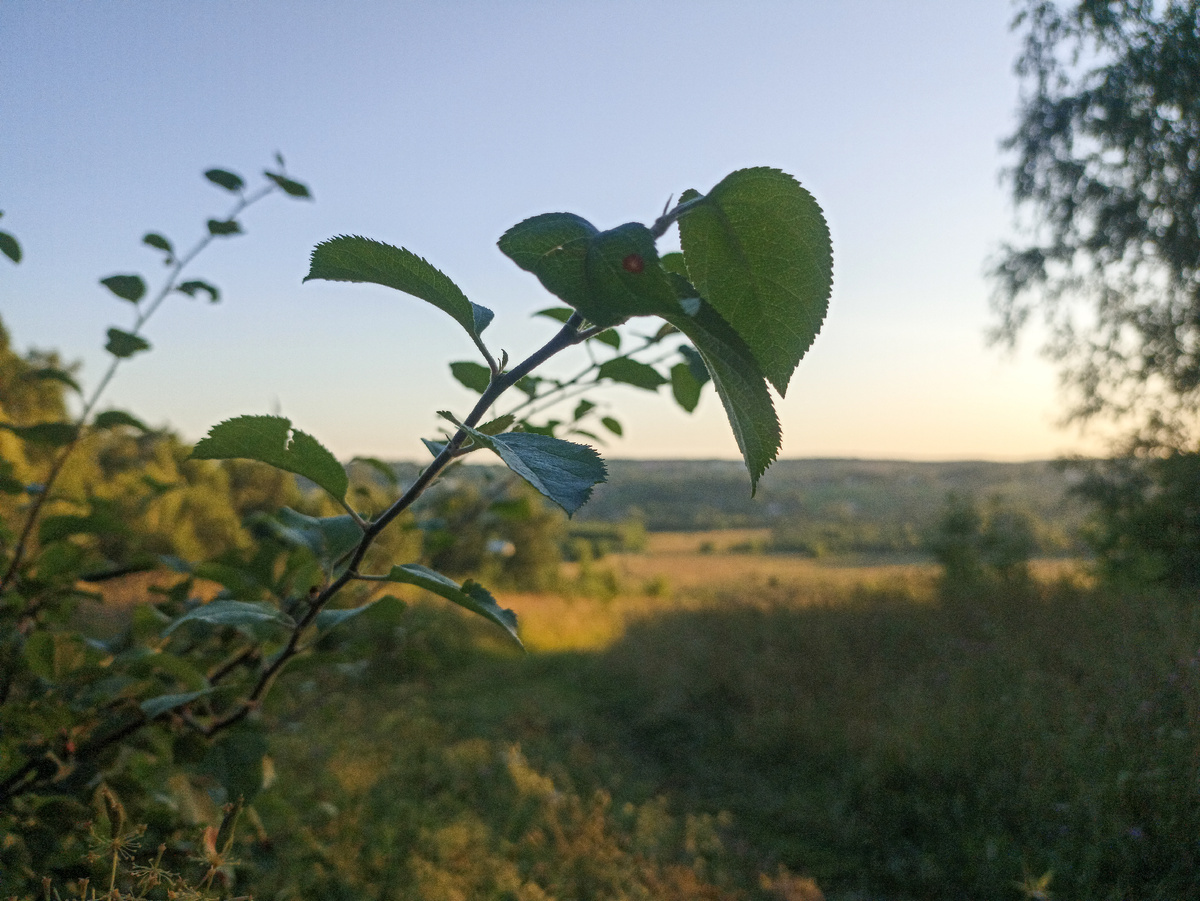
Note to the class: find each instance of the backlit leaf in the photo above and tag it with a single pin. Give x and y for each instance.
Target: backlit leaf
(631, 372)
(757, 248)
(471, 595)
(126, 287)
(613, 426)
(49, 373)
(271, 439)
(355, 259)
(685, 387)
(472, 375)
(111, 419)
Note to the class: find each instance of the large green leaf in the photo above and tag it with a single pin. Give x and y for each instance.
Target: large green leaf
(563, 471)
(271, 439)
(471, 595)
(607, 276)
(354, 259)
(739, 383)
(631, 372)
(239, 614)
(757, 248)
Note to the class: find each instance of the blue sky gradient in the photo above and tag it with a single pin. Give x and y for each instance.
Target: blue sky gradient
(436, 126)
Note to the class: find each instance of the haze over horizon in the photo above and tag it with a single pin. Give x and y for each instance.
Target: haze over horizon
(436, 128)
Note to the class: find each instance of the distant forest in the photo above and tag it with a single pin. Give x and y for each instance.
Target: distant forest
(825, 505)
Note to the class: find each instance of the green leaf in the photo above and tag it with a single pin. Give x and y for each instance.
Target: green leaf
(757, 248)
(111, 419)
(685, 387)
(497, 425)
(100, 521)
(153, 239)
(583, 409)
(52, 434)
(354, 259)
(385, 470)
(235, 760)
(740, 384)
(695, 363)
(607, 276)
(471, 595)
(328, 619)
(631, 372)
(123, 344)
(10, 247)
(329, 538)
(290, 187)
(611, 337)
(472, 375)
(238, 614)
(155, 707)
(271, 439)
(126, 287)
(558, 314)
(219, 228)
(613, 426)
(226, 179)
(49, 373)
(191, 287)
(561, 470)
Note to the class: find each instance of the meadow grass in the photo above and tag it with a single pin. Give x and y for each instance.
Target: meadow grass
(753, 731)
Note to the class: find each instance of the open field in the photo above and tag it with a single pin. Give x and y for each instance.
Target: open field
(747, 727)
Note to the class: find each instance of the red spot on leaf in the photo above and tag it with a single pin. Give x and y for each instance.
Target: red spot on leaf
(633, 263)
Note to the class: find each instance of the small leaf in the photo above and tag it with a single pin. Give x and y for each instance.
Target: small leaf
(558, 314)
(497, 425)
(126, 287)
(271, 439)
(563, 471)
(125, 344)
(583, 409)
(695, 363)
(385, 470)
(153, 239)
(330, 538)
(156, 707)
(191, 287)
(100, 521)
(290, 187)
(50, 373)
(471, 595)
(631, 372)
(226, 179)
(355, 259)
(219, 228)
(528, 385)
(238, 614)
(472, 375)
(757, 248)
(434, 447)
(111, 419)
(611, 337)
(51, 434)
(10, 247)
(613, 426)
(685, 387)
(328, 619)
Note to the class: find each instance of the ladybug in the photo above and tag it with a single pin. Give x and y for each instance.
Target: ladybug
(633, 263)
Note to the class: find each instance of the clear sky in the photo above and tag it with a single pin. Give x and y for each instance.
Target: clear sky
(437, 125)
